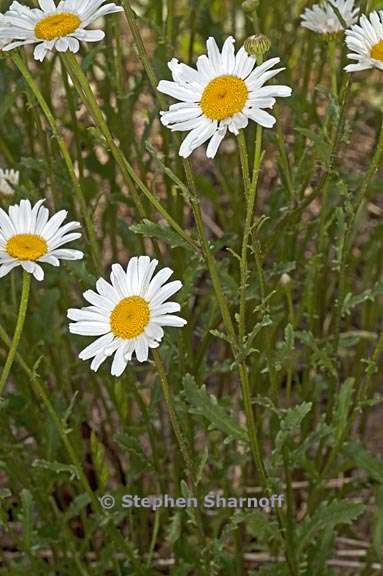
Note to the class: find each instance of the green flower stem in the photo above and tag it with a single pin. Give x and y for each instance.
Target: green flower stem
(178, 434)
(66, 156)
(18, 330)
(209, 258)
(74, 121)
(80, 81)
(172, 414)
(170, 22)
(333, 65)
(131, 17)
(373, 168)
(361, 197)
(229, 326)
(244, 159)
(251, 198)
(41, 394)
(285, 164)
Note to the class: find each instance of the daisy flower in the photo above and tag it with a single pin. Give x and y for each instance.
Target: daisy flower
(53, 27)
(8, 179)
(127, 314)
(365, 43)
(224, 93)
(28, 238)
(323, 19)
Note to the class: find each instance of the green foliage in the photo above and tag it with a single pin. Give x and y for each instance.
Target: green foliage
(160, 232)
(305, 304)
(204, 404)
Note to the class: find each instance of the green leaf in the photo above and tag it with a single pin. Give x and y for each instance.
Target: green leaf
(368, 295)
(201, 465)
(56, 467)
(98, 457)
(326, 517)
(27, 517)
(174, 529)
(207, 405)
(291, 423)
(262, 527)
(321, 144)
(363, 459)
(133, 446)
(342, 407)
(76, 506)
(160, 232)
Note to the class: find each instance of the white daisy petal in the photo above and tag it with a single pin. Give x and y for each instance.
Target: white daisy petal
(158, 280)
(128, 315)
(244, 63)
(220, 95)
(154, 331)
(47, 5)
(6, 268)
(214, 55)
(261, 117)
(119, 362)
(95, 347)
(142, 349)
(89, 35)
(228, 55)
(66, 254)
(166, 292)
(85, 328)
(37, 272)
(215, 141)
(97, 361)
(170, 320)
(179, 92)
(197, 137)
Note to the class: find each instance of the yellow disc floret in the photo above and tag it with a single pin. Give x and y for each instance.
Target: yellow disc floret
(223, 97)
(57, 25)
(377, 51)
(27, 247)
(129, 317)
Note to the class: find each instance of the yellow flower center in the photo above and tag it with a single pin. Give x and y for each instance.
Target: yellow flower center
(57, 25)
(377, 51)
(223, 97)
(27, 247)
(129, 317)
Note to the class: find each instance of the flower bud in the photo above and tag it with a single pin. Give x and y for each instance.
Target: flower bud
(250, 6)
(258, 45)
(285, 280)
